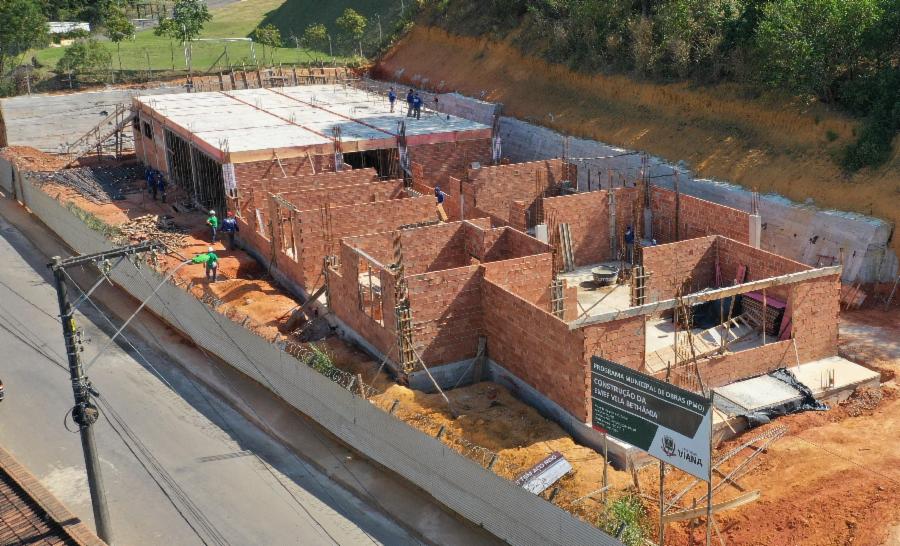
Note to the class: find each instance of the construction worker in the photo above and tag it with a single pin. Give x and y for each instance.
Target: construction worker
(629, 245)
(230, 227)
(392, 98)
(161, 185)
(409, 103)
(439, 196)
(148, 176)
(417, 106)
(212, 263)
(213, 223)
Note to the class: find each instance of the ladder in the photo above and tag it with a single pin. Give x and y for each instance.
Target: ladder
(110, 127)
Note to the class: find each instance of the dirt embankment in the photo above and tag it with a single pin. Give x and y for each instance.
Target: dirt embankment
(770, 143)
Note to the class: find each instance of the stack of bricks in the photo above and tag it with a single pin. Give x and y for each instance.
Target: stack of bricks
(697, 218)
(685, 266)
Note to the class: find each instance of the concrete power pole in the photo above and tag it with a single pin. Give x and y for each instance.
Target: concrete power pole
(85, 413)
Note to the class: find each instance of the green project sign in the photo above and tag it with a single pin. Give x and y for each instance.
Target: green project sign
(670, 423)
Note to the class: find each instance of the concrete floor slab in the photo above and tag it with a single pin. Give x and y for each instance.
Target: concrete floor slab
(595, 299)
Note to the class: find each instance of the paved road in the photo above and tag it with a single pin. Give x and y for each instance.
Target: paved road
(245, 487)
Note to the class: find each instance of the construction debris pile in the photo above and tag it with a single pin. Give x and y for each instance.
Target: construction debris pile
(152, 227)
(101, 184)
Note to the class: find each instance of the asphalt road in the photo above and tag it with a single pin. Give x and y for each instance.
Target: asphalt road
(222, 480)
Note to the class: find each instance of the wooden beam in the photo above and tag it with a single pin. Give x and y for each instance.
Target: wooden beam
(695, 513)
(709, 295)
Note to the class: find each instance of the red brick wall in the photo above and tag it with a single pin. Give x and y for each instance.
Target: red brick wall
(311, 181)
(446, 313)
(491, 191)
(433, 248)
(440, 161)
(760, 264)
(815, 305)
(344, 300)
(588, 217)
(688, 266)
(527, 277)
(295, 166)
(537, 347)
(369, 192)
(351, 220)
(697, 218)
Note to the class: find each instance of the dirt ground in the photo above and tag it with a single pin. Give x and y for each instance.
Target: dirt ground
(833, 479)
(772, 144)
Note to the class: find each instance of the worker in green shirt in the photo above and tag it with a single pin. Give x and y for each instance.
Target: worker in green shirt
(213, 223)
(212, 263)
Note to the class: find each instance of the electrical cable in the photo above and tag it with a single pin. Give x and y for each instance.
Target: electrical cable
(272, 388)
(209, 402)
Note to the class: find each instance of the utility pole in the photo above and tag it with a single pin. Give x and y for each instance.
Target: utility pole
(85, 413)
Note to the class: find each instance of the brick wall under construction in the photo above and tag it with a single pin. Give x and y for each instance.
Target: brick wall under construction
(588, 217)
(696, 218)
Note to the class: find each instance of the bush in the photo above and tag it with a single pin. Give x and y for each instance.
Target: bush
(84, 56)
(628, 510)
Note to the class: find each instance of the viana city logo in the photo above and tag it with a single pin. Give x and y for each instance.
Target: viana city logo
(668, 446)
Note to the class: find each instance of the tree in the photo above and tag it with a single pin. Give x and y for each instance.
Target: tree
(118, 28)
(806, 45)
(22, 26)
(188, 17)
(269, 36)
(315, 36)
(84, 56)
(353, 25)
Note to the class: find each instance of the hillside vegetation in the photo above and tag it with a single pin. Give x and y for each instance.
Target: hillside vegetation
(842, 52)
(771, 141)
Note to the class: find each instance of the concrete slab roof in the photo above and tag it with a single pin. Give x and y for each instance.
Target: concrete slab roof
(250, 124)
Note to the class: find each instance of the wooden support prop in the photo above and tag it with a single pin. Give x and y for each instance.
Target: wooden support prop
(693, 513)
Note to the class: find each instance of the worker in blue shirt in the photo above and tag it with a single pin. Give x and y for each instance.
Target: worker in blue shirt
(417, 106)
(148, 176)
(230, 227)
(160, 181)
(392, 98)
(629, 245)
(409, 103)
(439, 195)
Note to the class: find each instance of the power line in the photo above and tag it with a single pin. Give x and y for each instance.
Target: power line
(263, 422)
(209, 402)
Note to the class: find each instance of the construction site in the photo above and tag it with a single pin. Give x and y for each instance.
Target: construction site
(464, 281)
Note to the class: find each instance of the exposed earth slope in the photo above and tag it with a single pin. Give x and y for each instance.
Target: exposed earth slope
(768, 143)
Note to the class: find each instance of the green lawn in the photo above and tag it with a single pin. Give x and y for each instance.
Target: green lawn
(237, 21)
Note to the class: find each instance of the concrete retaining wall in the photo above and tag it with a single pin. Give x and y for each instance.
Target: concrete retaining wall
(799, 231)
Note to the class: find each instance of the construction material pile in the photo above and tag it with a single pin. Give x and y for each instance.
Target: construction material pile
(153, 227)
(101, 185)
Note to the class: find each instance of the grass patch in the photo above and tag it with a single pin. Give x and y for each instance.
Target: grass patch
(627, 510)
(93, 221)
(234, 21)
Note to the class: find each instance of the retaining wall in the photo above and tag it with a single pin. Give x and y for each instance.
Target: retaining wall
(501, 507)
(802, 232)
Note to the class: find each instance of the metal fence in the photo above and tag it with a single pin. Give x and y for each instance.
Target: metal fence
(463, 485)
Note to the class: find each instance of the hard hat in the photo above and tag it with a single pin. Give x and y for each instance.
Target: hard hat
(210, 249)
(212, 212)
